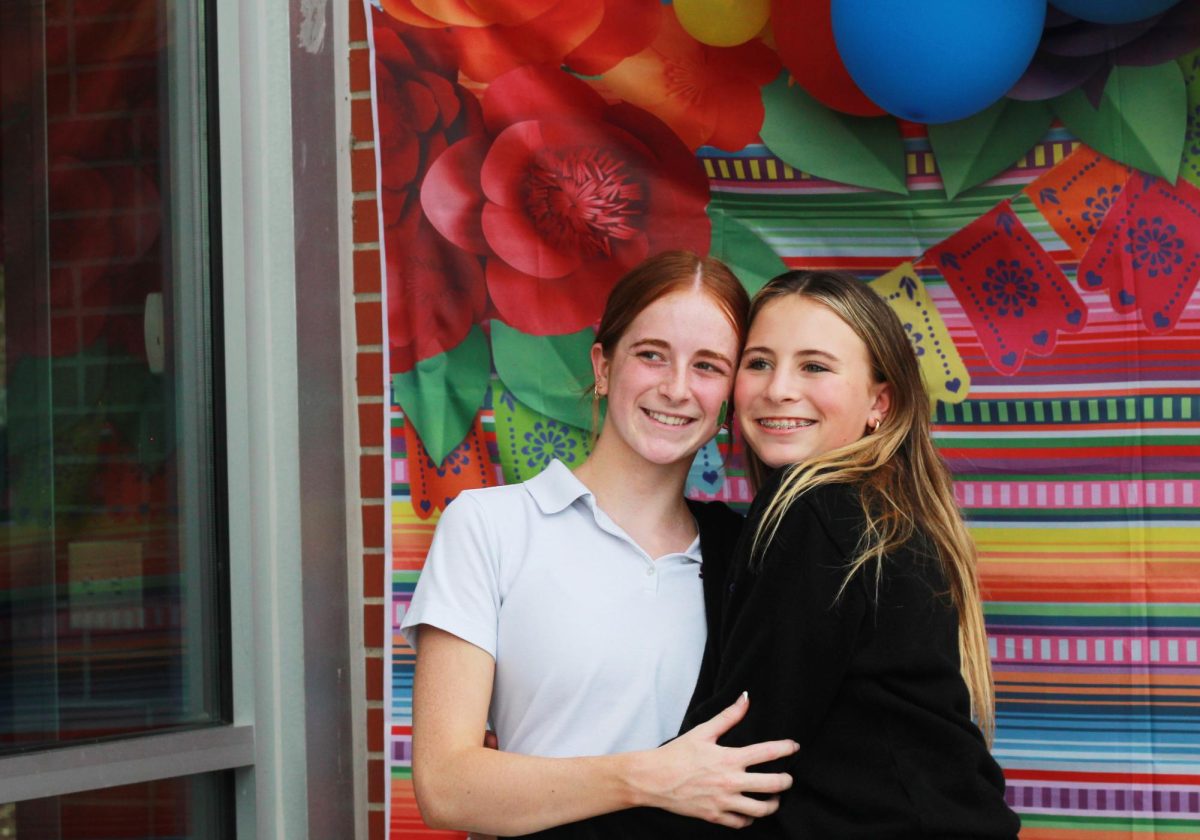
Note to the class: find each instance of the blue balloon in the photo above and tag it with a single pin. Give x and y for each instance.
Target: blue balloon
(1113, 11)
(935, 61)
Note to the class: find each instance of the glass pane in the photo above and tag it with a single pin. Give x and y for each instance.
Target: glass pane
(196, 808)
(109, 609)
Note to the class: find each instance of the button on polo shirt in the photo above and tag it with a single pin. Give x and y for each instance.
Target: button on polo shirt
(597, 645)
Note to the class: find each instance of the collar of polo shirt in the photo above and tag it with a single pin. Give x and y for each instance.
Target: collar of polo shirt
(556, 488)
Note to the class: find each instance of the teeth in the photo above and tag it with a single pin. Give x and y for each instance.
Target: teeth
(669, 419)
(784, 423)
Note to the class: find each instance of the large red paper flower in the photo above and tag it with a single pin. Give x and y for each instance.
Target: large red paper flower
(420, 105)
(435, 291)
(708, 95)
(495, 36)
(562, 195)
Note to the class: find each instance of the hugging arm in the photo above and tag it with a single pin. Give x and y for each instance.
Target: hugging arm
(789, 642)
(463, 785)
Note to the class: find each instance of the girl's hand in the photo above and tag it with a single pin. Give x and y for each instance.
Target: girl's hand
(694, 776)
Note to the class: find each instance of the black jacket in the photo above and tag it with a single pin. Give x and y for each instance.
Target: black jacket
(866, 681)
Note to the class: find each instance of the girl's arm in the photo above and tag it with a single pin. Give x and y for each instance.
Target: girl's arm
(461, 784)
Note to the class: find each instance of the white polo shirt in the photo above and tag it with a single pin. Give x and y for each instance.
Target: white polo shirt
(597, 645)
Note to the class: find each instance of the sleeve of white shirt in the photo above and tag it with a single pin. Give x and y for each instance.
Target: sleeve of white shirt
(458, 590)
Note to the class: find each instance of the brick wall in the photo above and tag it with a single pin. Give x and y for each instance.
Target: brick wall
(369, 390)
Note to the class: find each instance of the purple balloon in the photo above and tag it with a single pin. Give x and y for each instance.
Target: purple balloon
(1113, 11)
(1177, 32)
(1049, 76)
(1079, 54)
(1091, 38)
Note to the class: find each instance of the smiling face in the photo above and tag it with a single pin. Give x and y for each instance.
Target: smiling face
(804, 386)
(667, 378)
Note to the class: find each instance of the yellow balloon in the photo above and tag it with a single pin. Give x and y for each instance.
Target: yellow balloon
(723, 23)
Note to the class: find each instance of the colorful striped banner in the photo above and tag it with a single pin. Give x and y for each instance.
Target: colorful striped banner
(1078, 471)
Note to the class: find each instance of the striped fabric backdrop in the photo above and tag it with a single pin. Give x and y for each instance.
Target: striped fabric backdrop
(1079, 472)
(1080, 475)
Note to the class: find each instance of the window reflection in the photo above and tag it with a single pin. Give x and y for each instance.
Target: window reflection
(195, 808)
(107, 540)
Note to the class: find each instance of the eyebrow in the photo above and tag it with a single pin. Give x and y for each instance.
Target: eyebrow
(807, 352)
(658, 342)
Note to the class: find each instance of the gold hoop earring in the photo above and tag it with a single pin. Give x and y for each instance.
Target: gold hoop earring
(875, 427)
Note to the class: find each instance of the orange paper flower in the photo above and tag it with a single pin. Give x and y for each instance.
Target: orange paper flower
(494, 37)
(707, 95)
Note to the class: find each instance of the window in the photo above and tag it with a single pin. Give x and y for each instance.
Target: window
(112, 542)
(174, 629)
(196, 808)
(109, 534)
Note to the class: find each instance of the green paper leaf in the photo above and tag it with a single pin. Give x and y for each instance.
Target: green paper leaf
(548, 373)
(1141, 119)
(527, 441)
(863, 151)
(970, 151)
(441, 395)
(741, 248)
(1190, 166)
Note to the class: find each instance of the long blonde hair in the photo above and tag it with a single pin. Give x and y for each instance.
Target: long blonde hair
(905, 488)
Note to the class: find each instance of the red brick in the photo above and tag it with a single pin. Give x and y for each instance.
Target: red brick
(375, 727)
(64, 335)
(113, 89)
(366, 221)
(372, 525)
(371, 476)
(360, 70)
(91, 139)
(104, 286)
(373, 580)
(368, 317)
(373, 625)
(370, 424)
(83, 238)
(58, 47)
(116, 40)
(84, 189)
(375, 780)
(122, 285)
(374, 675)
(129, 9)
(370, 374)
(125, 330)
(362, 170)
(100, 287)
(367, 272)
(142, 182)
(56, 10)
(58, 95)
(361, 121)
(376, 820)
(62, 288)
(358, 21)
(147, 133)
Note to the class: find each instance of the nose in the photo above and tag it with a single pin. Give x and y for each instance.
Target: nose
(781, 388)
(674, 385)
